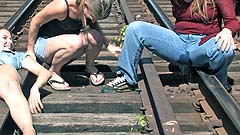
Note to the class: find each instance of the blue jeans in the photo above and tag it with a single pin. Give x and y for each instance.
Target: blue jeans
(173, 47)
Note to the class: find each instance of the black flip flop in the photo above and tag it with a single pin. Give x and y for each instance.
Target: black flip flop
(50, 82)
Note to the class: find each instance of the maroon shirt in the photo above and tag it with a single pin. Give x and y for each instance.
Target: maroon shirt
(187, 24)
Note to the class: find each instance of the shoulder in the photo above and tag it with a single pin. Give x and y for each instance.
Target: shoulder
(57, 6)
(57, 9)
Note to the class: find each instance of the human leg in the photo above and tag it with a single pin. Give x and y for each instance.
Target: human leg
(11, 93)
(221, 74)
(157, 39)
(64, 48)
(95, 40)
(161, 41)
(208, 55)
(59, 51)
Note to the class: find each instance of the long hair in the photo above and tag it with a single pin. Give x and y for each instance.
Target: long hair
(200, 8)
(98, 8)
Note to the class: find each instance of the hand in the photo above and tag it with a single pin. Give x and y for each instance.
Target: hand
(224, 39)
(34, 100)
(31, 54)
(115, 50)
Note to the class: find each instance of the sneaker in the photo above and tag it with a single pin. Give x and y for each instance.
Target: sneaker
(119, 84)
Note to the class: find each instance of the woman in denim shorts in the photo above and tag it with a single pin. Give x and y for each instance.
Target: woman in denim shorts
(63, 31)
(10, 90)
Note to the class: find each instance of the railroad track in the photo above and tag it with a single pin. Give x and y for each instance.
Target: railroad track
(180, 102)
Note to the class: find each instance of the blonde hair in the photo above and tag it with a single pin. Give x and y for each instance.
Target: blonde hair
(200, 7)
(98, 8)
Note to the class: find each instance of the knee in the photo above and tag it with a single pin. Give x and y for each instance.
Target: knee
(14, 88)
(10, 89)
(82, 41)
(217, 59)
(229, 55)
(135, 26)
(76, 43)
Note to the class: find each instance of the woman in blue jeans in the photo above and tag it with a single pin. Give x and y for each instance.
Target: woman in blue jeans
(197, 40)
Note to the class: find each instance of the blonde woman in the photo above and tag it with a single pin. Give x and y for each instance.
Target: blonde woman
(66, 29)
(10, 90)
(198, 40)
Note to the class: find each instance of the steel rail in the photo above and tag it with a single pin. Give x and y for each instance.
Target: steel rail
(21, 15)
(226, 101)
(164, 116)
(159, 14)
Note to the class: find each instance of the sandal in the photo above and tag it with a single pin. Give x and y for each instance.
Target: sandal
(96, 78)
(52, 82)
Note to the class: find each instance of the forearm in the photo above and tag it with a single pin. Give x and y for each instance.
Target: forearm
(34, 100)
(96, 26)
(32, 35)
(105, 42)
(42, 79)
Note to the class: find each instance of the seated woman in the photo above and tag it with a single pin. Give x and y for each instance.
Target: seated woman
(197, 40)
(10, 90)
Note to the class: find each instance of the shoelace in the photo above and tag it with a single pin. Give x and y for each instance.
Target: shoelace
(116, 81)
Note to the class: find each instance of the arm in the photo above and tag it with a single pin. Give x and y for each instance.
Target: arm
(231, 25)
(226, 8)
(57, 9)
(115, 50)
(97, 27)
(42, 77)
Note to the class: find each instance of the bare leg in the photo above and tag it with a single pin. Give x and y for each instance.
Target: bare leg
(59, 51)
(12, 94)
(62, 49)
(95, 46)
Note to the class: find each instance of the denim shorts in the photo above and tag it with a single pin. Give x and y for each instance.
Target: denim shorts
(12, 58)
(39, 48)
